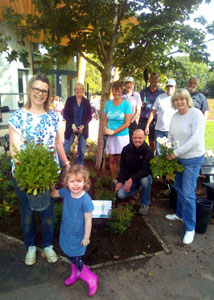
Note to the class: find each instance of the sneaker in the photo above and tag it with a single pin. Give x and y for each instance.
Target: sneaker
(30, 257)
(50, 254)
(173, 217)
(189, 237)
(143, 210)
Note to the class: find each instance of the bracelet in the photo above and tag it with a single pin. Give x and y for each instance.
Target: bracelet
(66, 163)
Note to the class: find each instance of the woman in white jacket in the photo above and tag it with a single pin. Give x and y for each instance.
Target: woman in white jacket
(187, 129)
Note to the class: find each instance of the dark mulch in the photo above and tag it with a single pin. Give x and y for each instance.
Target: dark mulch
(105, 246)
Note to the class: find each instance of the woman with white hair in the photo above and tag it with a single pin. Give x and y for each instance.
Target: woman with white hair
(187, 129)
(77, 113)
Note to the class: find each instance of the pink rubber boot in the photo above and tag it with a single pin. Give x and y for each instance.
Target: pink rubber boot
(73, 277)
(91, 279)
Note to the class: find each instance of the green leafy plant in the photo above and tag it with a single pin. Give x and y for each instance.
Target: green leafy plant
(91, 151)
(5, 209)
(35, 168)
(104, 194)
(120, 218)
(105, 182)
(8, 199)
(161, 166)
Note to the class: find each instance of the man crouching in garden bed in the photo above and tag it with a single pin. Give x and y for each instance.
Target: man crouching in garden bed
(135, 170)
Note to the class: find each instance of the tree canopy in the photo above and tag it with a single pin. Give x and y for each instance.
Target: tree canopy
(130, 35)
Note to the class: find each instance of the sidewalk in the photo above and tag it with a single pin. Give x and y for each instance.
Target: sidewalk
(187, 273)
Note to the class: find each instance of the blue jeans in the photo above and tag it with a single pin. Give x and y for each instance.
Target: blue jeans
(161, 134)
(145, 184)
(185, 185)
(81, 147)
(28, 222)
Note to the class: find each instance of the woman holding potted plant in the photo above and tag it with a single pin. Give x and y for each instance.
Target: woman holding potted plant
(187, 127)
(36, 124)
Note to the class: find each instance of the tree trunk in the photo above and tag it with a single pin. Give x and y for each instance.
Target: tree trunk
(106, 78)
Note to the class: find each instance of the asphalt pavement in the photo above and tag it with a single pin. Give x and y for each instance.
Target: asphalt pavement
(178, 272)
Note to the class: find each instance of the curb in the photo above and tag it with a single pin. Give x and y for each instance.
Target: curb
(109, 263)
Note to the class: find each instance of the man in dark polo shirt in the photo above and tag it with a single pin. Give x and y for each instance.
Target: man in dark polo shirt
(148, 97)
(200, 101)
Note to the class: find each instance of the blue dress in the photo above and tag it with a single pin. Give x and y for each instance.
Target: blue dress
(72, 229)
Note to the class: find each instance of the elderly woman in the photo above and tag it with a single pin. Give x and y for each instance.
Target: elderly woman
(117, 114)
(187, 129)
(77, 113)
(35, 122)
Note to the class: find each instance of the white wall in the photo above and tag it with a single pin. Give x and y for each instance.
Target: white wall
(9, 71)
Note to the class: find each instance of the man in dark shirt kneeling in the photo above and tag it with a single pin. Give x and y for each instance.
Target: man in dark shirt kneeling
(135, 170)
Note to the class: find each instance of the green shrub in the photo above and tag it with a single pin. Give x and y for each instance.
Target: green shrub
(8, 199)
(92, 173)
(105, 182)
(120, 218)
(104, 194)
(5, 209)
(91, 151)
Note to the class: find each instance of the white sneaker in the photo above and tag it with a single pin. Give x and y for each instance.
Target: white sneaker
(189, 237)
(50, 254)
(30, 257)
(173, 217)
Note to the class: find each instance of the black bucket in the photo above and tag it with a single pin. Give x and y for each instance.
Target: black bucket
(204, 209)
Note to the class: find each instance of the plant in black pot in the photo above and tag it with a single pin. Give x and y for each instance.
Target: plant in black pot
(35, 172)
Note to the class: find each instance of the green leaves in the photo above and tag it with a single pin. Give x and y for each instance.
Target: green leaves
(162, 167)
(36, 169)
(120, 218)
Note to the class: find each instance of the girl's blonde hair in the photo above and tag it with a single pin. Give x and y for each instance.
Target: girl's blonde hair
(78, 171)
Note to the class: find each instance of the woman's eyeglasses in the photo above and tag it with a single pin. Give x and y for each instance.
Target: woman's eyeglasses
(178, 99)
(38, 91)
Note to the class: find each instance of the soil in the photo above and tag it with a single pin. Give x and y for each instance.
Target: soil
(105, 246)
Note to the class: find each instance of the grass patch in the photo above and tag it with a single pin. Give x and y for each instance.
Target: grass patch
(209, 141)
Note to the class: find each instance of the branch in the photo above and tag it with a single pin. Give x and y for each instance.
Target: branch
(101, 46)
(116, 22)
(91, 61)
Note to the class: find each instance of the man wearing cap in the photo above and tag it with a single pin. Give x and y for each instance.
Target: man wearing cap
(134, 99)
(148, 97)
(165, 111)
(199, 100)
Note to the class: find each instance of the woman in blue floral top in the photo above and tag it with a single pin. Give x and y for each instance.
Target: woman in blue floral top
(35, 122)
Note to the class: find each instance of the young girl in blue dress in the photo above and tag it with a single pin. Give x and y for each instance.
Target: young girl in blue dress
(76, 224)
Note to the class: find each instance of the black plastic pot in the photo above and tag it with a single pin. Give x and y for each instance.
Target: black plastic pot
(204, 209)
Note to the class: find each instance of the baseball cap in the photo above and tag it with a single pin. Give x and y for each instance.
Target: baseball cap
(170, 82)
(129, 78)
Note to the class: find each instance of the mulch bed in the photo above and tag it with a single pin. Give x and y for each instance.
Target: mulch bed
(105, 246)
